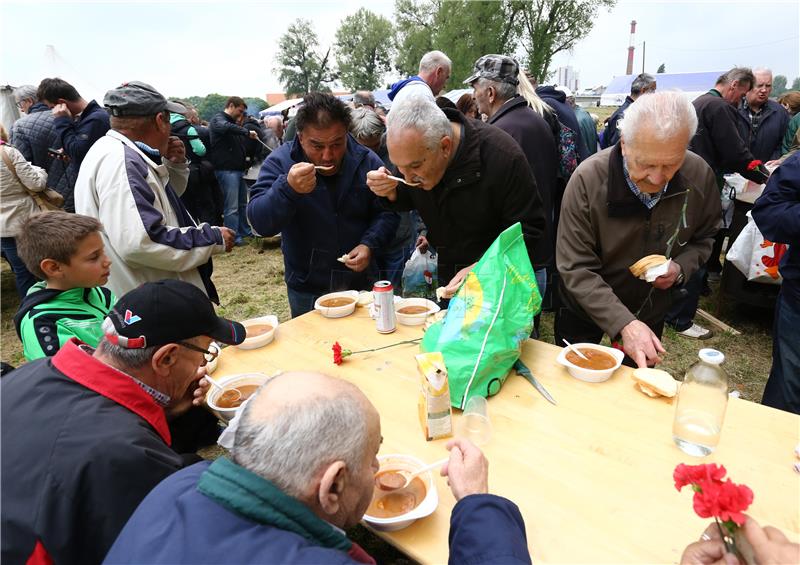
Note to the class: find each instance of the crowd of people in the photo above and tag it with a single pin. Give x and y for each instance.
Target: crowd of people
(101, 426)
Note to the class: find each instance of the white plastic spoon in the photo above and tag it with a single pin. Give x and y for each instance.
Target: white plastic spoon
(575, 350)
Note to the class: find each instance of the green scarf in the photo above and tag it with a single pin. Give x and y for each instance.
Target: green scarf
(257, 499)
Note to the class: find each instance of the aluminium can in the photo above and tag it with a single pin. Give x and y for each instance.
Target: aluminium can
(383, 299)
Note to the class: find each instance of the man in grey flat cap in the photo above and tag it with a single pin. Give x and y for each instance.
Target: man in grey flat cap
(131, 180)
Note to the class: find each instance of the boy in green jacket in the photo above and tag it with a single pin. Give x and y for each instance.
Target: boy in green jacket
(67, 252)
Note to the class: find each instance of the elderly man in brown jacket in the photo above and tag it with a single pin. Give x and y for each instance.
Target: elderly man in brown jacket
(647, 195)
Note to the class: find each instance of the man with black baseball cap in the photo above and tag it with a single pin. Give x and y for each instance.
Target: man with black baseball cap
(131, 180)
(86, 434)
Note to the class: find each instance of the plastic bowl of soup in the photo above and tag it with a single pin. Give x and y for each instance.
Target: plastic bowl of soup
(603, 361)
(414, 311)
(397, 509)
(260, 332)
(235, 389)
(337, 304)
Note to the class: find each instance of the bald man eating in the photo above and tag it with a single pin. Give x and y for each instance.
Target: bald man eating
(302, 471)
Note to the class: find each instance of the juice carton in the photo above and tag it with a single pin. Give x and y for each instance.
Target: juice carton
(435, 413)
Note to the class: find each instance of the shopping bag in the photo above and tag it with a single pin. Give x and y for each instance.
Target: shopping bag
(419, 275)
(487, 320)
(757, 258)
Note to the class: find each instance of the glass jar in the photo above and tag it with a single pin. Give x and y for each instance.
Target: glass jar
(701, 404)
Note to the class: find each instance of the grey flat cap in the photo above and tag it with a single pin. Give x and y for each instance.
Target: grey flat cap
(495, 67)
(136, 98)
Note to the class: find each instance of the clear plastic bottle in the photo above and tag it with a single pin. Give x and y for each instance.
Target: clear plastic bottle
(701, 404)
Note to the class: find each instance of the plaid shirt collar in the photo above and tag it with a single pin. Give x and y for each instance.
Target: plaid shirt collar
(649, 200)
(160, 398)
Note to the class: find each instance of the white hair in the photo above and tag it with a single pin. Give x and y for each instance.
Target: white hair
(417, 112)
(667, 114)
(25, 92)
(433, 59)
(365, 123)
(289, 446)
(505, 90)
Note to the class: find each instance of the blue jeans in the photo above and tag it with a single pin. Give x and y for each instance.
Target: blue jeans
(22, 277)
(783, 386)
(681, 313)
(234, 193)
(300, 302)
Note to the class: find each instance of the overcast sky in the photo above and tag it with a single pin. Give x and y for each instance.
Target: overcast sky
(194, 48)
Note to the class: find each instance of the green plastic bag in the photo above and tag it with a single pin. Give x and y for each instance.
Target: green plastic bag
(487, 320)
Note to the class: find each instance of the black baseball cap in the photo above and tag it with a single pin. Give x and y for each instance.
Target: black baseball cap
(495, 67)
(136, 98)
(168, 311)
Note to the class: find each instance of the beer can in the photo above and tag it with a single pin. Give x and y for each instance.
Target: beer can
(383, 300)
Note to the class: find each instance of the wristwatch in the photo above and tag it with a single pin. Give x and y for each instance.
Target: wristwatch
(680, 278)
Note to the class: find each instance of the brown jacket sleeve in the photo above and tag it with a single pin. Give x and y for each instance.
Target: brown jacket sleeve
(579, 263)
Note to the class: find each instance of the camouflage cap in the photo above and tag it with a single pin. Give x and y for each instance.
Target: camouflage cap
(136, 98)
(495, 67)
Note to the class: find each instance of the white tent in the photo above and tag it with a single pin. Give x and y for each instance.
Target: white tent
(280, 107)
(9, 113)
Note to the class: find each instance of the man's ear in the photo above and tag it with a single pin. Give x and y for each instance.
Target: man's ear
(165, 358)
(447, 145)
(331, 487)
(51, 268)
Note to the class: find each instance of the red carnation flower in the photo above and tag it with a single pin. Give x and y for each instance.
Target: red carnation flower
(753, 165)
(337, 353)
(694, 474)
(725, 501)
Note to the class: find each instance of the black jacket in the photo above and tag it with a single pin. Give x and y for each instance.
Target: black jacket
(535, 137)
(487, 187)
(718, 141)
(611, 134)
(75, 463)
(557, 100)
(35, 133)
(227, 151)
(764, 143)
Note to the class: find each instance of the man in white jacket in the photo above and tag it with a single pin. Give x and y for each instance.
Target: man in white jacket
(131, 180)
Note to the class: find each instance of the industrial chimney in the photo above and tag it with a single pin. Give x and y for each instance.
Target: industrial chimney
(629, 68)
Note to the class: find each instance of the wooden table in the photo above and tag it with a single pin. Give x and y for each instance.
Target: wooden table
(592, 476)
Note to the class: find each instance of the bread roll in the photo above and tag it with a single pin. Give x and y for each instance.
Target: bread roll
(655, 381)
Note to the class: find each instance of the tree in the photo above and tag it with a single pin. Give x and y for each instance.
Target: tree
(779, 85)
(552, 26)
(210, 105)
(255, 105)
(796, 84)
(490, 26)
(302, 69)
(364, 47)
(415, 21)
(661, 69)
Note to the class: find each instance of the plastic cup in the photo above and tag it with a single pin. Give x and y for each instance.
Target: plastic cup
(475, 423)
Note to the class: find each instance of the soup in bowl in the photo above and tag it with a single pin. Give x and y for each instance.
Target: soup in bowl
(395, 509)
(602, 362)
(260, 332)
(337, 304)
(414, 311)
(235, 390)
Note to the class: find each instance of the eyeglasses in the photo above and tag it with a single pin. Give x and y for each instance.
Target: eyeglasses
(208, 355)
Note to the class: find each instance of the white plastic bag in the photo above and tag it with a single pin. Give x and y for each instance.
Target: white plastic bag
(419, 275)
(755, 257)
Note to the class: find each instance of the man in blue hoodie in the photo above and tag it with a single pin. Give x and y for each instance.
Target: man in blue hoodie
(313, 192)
(434, 72)
(777, 214)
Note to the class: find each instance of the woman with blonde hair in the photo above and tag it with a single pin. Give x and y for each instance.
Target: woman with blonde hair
(18, 178)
